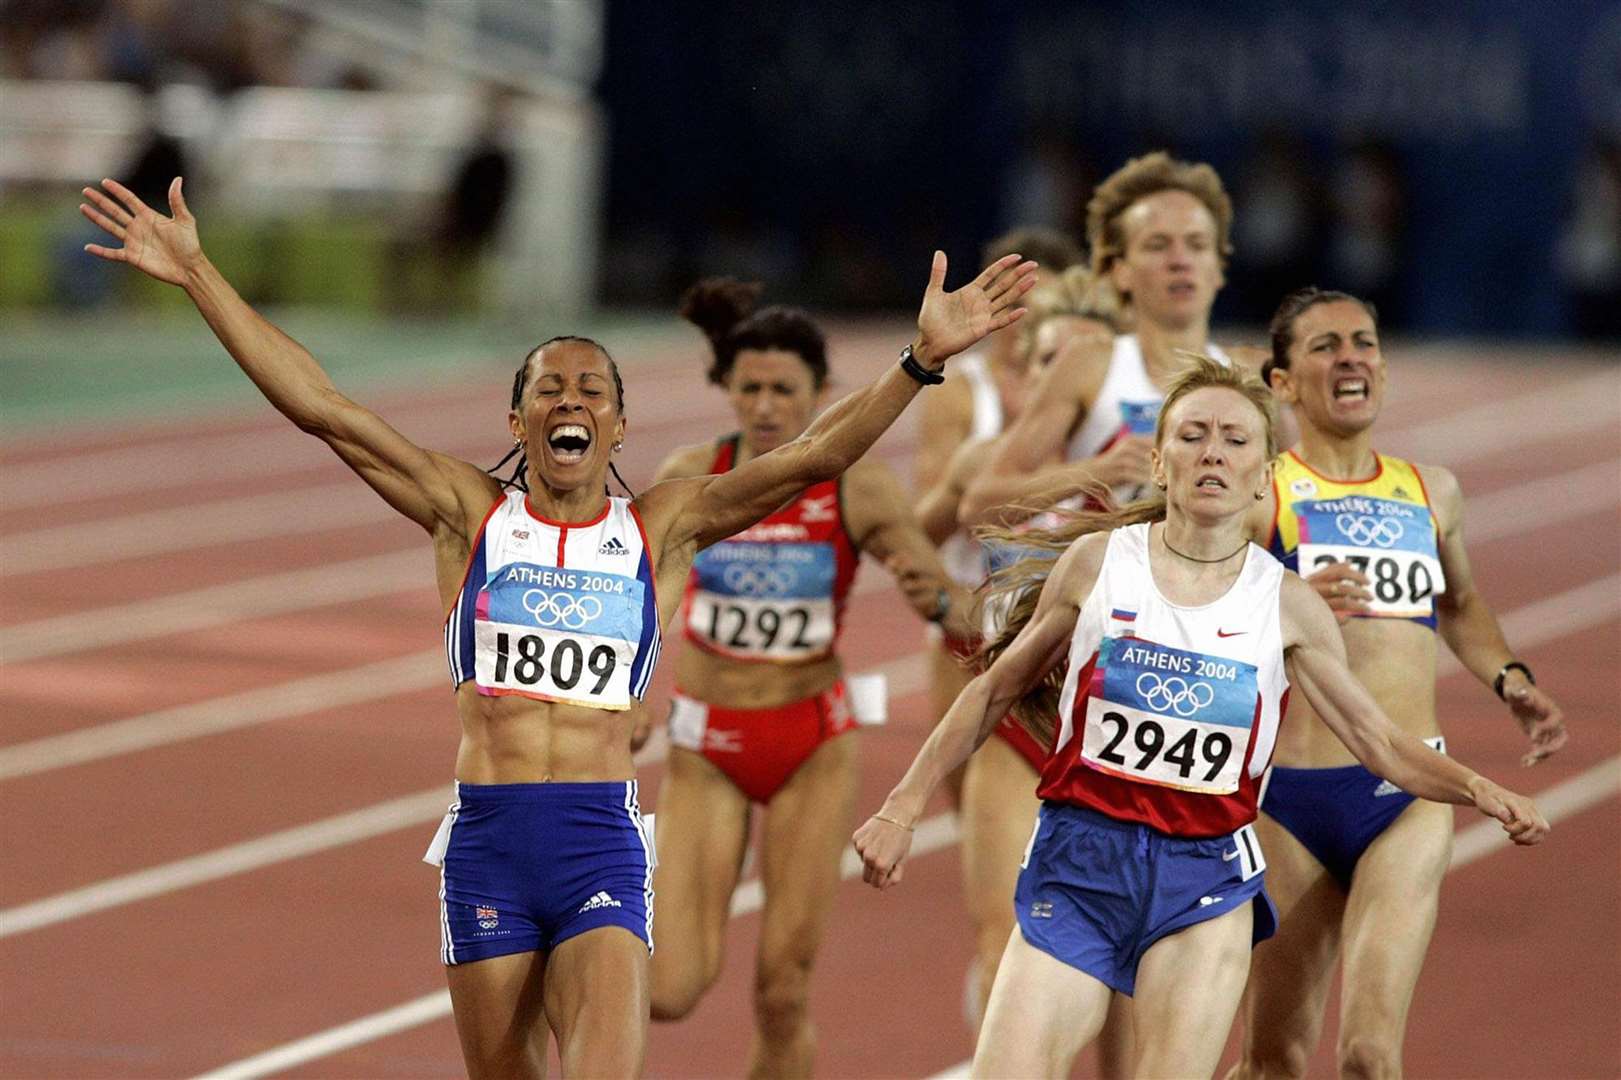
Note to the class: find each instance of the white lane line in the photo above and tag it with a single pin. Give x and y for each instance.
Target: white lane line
(1552, 617)
(1561, 497)
(278, 450)
(1539, 503)
(277, 847)
(1525, 627)
(181, 528)
(199, 609)
(933, 834)
(349, 686)
(266, 850)
(1563, 800)
(368, 682)
(1581, 405)
(247, 598)
(1469, 844)
(215, 521)
(906, 676)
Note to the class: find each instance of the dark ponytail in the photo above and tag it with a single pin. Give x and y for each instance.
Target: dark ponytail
(724, 309)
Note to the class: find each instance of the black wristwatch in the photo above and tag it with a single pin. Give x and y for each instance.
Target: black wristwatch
(917, 371)
(1502, 673)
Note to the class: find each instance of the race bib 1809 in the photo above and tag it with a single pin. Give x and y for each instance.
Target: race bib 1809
(558, 635)
(1392, 542)
(1162, 715)
(765, 601)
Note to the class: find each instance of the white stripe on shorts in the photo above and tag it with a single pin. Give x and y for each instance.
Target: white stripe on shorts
(1250, 859)
(447, 948)
(635, 813)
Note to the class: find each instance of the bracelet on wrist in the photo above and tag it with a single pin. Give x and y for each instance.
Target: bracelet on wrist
(917, 371)
(892, 821)
(1502, 674)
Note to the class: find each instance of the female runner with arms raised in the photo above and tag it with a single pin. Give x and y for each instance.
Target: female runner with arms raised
(556, 596)
(1181, 639)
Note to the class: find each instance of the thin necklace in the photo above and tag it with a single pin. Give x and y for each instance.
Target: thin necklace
(1166, 540)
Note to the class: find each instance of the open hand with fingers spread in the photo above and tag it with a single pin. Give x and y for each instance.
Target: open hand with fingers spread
(166, 248)
(950, 322)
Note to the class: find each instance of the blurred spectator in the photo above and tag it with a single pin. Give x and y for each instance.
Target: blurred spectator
(159, 157)
(1278, 233)
(1367, 246)
(1589, 249)
(1048, 183)
(463, 223)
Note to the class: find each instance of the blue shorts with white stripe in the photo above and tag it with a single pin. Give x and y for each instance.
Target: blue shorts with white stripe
(528, 866)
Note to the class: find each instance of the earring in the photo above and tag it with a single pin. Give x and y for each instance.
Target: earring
(1259, 495)
(516, 443)
(1160, 484)
(618, 446)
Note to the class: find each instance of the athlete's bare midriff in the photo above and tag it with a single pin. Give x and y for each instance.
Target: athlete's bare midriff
(517, 740)
(733, 684)
(1395, 660)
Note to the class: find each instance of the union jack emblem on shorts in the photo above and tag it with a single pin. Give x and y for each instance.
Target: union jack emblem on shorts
(488, 917)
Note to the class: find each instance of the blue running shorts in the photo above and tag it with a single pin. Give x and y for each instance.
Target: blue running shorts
(1097, 893)
(525, 867)
(1335, 813)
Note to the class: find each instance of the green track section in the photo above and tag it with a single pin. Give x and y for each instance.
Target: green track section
(59, 372)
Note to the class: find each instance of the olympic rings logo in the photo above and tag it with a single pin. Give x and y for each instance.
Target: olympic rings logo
(561, 609)
(1174, 694)
(1362, 531)
(758, 580)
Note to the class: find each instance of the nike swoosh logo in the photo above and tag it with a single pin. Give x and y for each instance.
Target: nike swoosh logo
(1230, 856)
(1230, 633)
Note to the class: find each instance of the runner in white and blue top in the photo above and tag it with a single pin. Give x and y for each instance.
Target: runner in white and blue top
(546, 908)
(1180, 637)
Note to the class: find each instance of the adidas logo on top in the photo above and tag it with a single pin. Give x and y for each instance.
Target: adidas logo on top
(600, 900)
(613, 547)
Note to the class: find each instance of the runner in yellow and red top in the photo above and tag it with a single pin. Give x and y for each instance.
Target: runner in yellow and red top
(1353, 858)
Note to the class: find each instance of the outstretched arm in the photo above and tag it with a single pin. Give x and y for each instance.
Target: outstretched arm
(886, 837)
(1472, 632)
(1026, 466)
(882, 525)
(707, 510)
(436, 491)
(1316, 657)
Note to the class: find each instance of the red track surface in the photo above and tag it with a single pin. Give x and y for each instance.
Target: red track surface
(1521, 980)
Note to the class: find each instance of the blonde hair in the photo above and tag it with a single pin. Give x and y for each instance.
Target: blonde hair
(1015, 588)
(1140, 178)
(1078, 293)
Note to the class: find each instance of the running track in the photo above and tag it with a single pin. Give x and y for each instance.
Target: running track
(211, 854)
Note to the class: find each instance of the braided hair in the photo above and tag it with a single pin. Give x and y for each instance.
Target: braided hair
(520, 380)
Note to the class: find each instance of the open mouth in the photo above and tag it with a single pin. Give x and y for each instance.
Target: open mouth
(1351, 389)
(569, 442)
(1181, 290)
(1210, 482)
